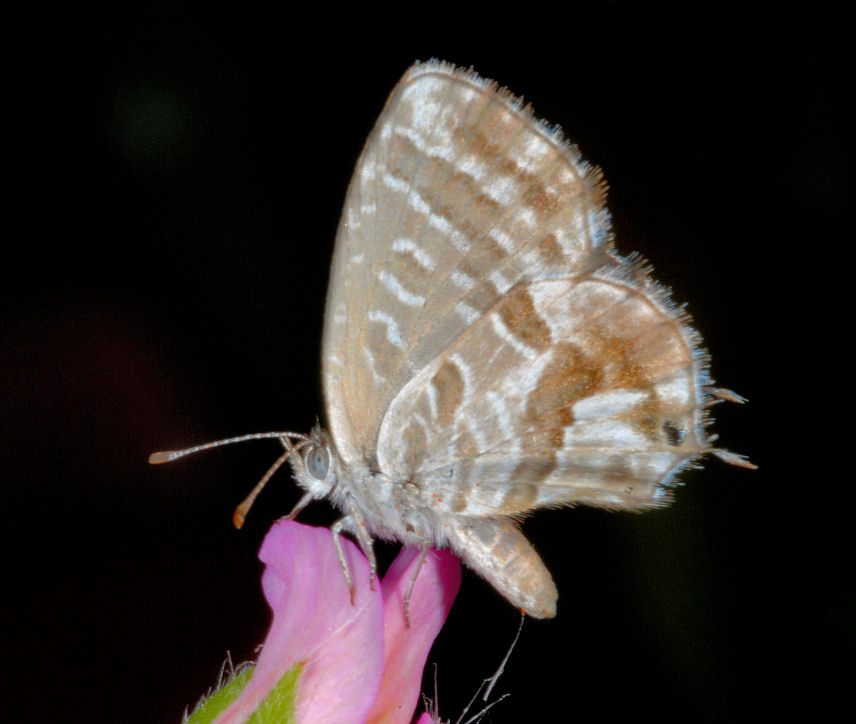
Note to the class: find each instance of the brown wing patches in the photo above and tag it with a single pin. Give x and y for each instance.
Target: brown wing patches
(640, 347)
(544, 201)
(449, 389)
(488, 136)
(482, 210)
(482, 294)
(629, 367)
(466, 450)
(466, 445)
(446, 189)
(519, 315)
(522, 494)
(550, 249)
(458, 498)
(500, 137)
(629, 370)
(647, 416)
(412, 266)
(605, 361)
(569, 377)
(415, 444)
(378, 345)
(456, 198)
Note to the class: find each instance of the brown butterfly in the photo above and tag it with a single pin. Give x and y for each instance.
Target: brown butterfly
(486, 351)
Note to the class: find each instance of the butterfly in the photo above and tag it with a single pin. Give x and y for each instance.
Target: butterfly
(486, 351)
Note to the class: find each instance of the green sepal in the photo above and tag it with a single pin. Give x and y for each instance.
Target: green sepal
(276, 708)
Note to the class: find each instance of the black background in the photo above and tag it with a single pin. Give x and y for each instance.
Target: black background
(183, 172)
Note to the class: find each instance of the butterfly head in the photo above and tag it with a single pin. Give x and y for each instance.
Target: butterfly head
(315, 463)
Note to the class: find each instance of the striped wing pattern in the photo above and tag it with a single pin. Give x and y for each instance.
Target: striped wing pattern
(483, 338)
(486, 351)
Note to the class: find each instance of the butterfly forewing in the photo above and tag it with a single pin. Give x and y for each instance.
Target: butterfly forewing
(458, 196)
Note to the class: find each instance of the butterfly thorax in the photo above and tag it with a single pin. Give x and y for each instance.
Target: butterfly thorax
(383, 506)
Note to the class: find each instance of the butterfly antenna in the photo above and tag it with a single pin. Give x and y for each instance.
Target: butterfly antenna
(241, 511)
(167, 456)
(240, 514)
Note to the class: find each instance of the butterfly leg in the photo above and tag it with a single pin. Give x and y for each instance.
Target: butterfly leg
(345, 523)
(358, 528)
(423, 554)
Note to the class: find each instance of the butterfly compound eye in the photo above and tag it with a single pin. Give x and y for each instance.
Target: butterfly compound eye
(318, 462)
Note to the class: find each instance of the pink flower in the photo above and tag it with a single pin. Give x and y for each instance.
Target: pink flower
(358, 661)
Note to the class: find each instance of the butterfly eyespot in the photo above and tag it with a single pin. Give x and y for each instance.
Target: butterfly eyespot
(318, 462)
(674, 434)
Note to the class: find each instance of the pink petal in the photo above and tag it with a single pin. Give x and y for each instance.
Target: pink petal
(407, 649)
(314, 622)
